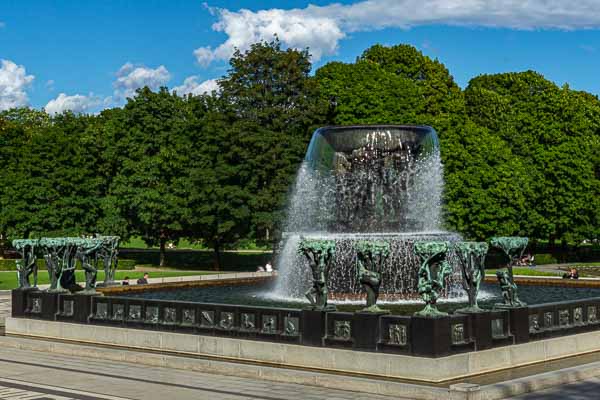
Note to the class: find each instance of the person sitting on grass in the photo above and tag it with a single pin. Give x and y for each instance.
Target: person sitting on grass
(125, 281)
(143, 280)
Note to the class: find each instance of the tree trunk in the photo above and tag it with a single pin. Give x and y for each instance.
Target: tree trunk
(163, 241)
(3, 244)
(217, 254)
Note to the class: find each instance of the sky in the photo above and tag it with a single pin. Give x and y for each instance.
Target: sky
(85, 55)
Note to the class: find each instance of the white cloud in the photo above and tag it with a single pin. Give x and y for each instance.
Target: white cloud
(77, 103)
(130, 78)
(322, 27)
(14, 81)
(295, 28)
(192, 86)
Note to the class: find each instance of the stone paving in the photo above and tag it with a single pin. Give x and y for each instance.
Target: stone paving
(4, 307)
(583, 390)
(11, 389)
(134, 381)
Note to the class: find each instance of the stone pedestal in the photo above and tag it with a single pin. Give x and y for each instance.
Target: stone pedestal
(19, 302)
(82, 307)
(366, 330)
(49, 305)
(481, 328)
(314, 327)
(430, 336)
(519, 324)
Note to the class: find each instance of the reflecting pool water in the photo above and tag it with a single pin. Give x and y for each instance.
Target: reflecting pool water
(261, 295)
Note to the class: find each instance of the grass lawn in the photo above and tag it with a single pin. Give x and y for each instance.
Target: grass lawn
(8, 279)
(525, 271)
(584, 264)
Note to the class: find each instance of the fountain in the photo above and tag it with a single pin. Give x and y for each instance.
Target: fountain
(364, 224)
(365, 183)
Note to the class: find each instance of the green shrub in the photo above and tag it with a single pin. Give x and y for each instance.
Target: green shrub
(10, 265)
(126, 264)
(545, 258)
(198, 260)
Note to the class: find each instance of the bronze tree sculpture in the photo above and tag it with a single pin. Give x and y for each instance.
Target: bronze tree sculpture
(432, 273)
(513, 248)
(27, 265)
(471, 258)
(371, 255)
(319, 254)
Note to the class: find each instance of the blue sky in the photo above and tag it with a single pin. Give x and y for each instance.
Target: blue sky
(87, 55)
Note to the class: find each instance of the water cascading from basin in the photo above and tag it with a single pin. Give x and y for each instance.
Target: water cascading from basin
(356, 183)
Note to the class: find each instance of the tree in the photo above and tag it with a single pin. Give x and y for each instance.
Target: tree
(396, 84)
(151, 188)
(271, 87)
(219, 199)
(554, 132)
(487, 190)
(276, 107)
(50, 186)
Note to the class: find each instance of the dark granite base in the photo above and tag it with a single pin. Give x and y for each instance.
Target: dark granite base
(314, 327)
(366, 330)
(430, 336)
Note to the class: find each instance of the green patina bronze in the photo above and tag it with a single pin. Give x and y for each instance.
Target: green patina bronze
(61, 256)
(86, 251)
(371, 255)
(108, 254)
(26, 266)
(432, 273)
(53, 250)
(319, 254)
(513, 248)
(471, 257)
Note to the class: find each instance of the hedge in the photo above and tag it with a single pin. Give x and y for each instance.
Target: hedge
(545, 258)
(9, 264)
(199, 260)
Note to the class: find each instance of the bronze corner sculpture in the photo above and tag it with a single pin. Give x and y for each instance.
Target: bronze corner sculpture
(61, 256)
(471, 258)
(432, 274)
(513, 248)
(319, 253)
(370, 258)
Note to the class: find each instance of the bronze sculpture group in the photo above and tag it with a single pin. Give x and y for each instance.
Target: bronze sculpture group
(61, 256)
(432, 274)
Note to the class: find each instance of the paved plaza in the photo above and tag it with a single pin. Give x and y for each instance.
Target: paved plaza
(584, 390)
(97, 378)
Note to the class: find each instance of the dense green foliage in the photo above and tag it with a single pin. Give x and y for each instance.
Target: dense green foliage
(521, 155)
